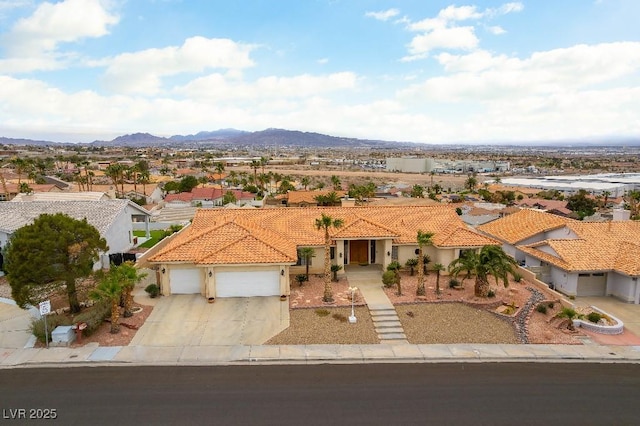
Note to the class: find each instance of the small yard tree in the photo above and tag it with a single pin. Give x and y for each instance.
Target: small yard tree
(306, 253)
(489, 261)
(423, 239)
(325, 222)
(438, 267)
(128, 276)
(110, 288)
(51, 253)
(411, 263)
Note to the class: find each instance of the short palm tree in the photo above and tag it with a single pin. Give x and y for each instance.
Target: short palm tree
(411, 263)
(325, 222)
(109, 288)
(129, 276)
(307, 253)
(489, 261)
(423, 239)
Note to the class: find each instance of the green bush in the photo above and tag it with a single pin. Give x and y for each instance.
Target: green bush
(37, 325)
(594, 317)
(491, 293)
(94, 316)
(394, 266)
(551, 305)
(517, 277)
(389, 278)
(322, 312)
(153, 290)
(541, 308)
(453, 283)
(568, 313)
(301, 278)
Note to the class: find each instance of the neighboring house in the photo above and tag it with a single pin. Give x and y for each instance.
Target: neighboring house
(150, 191)
(556, 207)
(308, 198)
(247, 252)
(112, 218)
(576, 258)
(209, 197)
(62, 196)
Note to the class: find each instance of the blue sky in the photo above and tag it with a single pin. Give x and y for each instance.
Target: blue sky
(415, 70)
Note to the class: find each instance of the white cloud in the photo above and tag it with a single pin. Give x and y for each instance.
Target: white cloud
(496, 29)
(32, 42)
(142, 72)
(384, 15)
(219, 87)
(444, 38)
(323, 61)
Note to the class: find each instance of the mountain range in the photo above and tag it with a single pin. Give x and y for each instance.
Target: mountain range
(227, 138)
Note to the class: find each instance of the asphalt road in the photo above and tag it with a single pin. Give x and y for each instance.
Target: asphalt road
(372, 394)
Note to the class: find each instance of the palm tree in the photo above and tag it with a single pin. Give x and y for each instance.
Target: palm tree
(255, 165)
(423, 239)
(325, 222)
(471, 182)
(336, 182)
(307, 253)
(128, 276)
(438, 267)
(305, 182)
(114, 171)
(109, 288)
(490, 260)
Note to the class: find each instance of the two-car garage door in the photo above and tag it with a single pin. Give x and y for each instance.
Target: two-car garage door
(248, 283)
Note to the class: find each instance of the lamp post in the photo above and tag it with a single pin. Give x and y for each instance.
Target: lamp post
(352, 318)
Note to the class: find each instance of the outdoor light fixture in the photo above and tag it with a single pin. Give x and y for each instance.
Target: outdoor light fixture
(282, 272)
(340, 254)
(388, 253)
(210, 274)
(164, 270)
(352, 318)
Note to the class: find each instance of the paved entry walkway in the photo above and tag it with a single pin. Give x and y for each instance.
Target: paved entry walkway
(368, 279)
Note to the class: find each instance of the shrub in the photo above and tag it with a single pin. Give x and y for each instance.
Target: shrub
(301, 278)
(339, 317)
(517, 277)
(551, 305)
(94, 316)
(453, 283)
(394, 266)
(153, 290)
(541, 308)
(37, 325)
(594, 317)
(568, 313)
(389, 279)
(322, 312)
(491, 293)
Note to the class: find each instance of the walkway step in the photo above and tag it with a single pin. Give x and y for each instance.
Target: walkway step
(375, 312)
(392, 336)
(387, 324)
(380, 318)
(390, 330)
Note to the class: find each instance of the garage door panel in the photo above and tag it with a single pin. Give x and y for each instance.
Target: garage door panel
(594, 285)
(185, 281)
(248, 283)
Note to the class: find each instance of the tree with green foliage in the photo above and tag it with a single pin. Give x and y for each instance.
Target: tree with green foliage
(336, 182)
(306, 253)
(471, 182)
(326, 222)
(488, 261)
(423, 239)
(129, 276)
(51, 253)
(581, 204)
(110, 288)
(438, 267)
(411, 263)
(417, 191)
(305, 182)
(187, 183)
(397, 280)
(229, 198)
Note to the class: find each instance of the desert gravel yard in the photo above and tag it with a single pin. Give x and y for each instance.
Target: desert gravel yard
(309, 328)
(450, 323)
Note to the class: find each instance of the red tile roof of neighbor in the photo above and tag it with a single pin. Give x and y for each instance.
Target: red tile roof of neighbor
(208, 193)
(218, 236)
(599, 246)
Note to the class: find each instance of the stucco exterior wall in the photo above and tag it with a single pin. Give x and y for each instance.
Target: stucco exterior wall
(621, 287)
(564, 282)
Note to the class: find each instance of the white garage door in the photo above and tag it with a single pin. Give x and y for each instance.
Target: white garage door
(248, 284)
(185, 281)
(592, 284)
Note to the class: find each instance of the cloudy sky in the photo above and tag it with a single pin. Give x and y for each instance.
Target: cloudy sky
(414, 70)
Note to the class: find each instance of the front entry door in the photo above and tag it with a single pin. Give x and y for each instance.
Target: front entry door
(359, 251)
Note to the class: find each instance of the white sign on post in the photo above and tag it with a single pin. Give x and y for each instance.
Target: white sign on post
(45, 307)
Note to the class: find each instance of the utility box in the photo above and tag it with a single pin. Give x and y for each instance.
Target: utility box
(63, 335)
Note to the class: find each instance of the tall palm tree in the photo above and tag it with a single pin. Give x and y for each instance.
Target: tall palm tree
(438, 267)
(255, 165)
(489, 261)
(423, 239)
(305, 181)
(307, 253)
(325, 222)
(129, 276)
(336, 182)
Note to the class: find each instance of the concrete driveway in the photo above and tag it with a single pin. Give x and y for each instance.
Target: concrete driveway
(188, 320)
(628, 313)
(14, 326)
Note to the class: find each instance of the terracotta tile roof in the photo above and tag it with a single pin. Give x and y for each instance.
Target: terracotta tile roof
(273, 235)
(609, 246)
(297, 197)
(522, 225)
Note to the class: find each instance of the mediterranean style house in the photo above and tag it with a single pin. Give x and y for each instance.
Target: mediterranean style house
(576, 258)
(243, 253)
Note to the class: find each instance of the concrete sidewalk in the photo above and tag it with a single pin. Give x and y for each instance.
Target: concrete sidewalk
(92, 354)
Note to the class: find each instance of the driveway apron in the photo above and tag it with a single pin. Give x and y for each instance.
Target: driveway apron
(14, 326)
